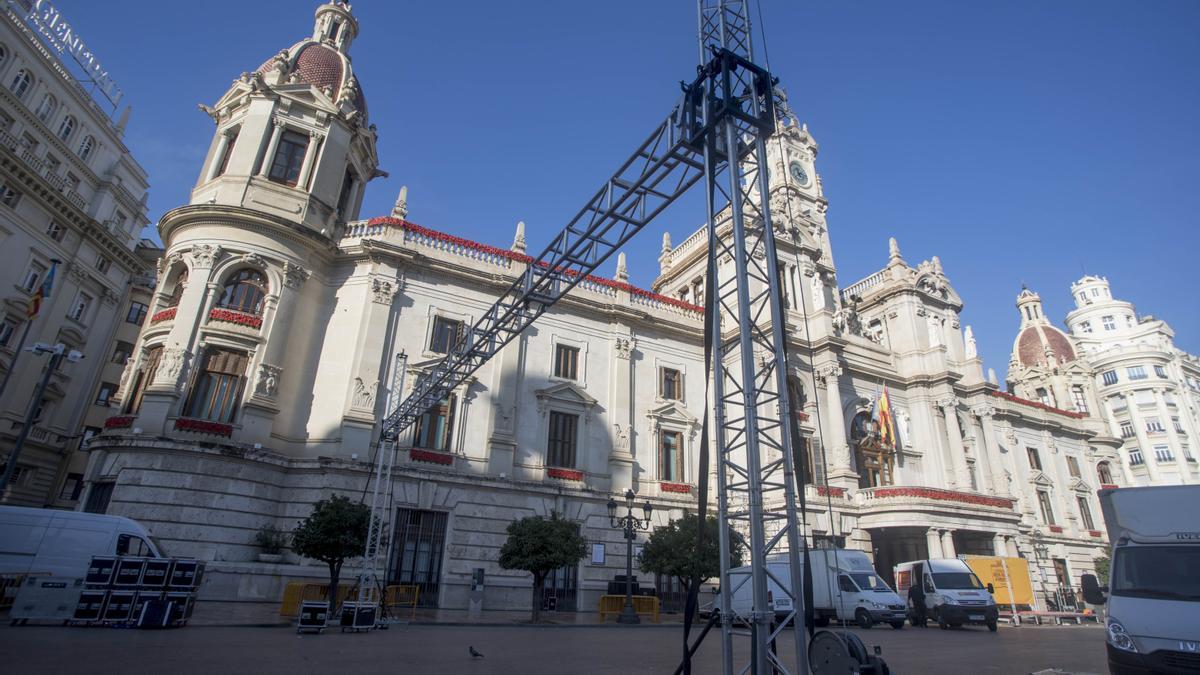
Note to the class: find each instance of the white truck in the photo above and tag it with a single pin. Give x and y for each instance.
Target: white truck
(1153, 596)
(845, 587)
(62, 543)
(947, 591)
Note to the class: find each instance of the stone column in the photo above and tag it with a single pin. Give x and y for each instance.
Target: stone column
(621, 460)
(933, 541)
(506, 377)
(218, 155)
(1139, 427)
(998, 546)
(268, 158)
(958, 459)
(178, 353)
(991, 449)
(263, 382)
(1013, 551)
(948, 544)
(367, 373)
(837, 451)
(310, 157)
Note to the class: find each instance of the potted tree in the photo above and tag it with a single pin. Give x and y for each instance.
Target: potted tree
(270, 540)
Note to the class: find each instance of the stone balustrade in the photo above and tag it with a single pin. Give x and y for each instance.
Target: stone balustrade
(914, 494)
(861, 286)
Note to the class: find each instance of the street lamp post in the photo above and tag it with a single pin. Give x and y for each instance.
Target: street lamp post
(630, 524)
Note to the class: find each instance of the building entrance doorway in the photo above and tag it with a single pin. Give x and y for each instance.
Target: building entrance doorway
(894, 545)
(558, 591)
(419, 537)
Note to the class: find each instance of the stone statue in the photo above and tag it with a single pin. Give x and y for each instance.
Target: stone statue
(364, 395)
(969, 338)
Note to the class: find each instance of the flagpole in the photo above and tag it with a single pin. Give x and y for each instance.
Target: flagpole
(12, 366)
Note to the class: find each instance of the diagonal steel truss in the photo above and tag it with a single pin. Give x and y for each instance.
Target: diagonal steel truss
(716, 132)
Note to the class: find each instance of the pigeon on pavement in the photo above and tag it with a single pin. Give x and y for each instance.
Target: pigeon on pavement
(474, 654)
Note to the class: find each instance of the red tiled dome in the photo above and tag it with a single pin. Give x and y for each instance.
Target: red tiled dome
(320, 66)
(1032, 342)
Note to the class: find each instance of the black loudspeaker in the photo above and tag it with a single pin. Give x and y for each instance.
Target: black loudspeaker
(185, 575)
(313, 615)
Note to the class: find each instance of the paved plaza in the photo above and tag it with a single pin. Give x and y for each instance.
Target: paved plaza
(516, 650)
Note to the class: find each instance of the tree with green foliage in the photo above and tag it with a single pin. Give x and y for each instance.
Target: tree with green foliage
(671, 550)
(335, 531)
(539, 546)
(1102, 567)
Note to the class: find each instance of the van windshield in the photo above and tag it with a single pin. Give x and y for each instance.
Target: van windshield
(869, 582)
(956, 581)
(1167, 572)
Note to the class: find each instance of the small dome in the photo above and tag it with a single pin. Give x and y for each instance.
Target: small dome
(322, 66)
(1034, 341)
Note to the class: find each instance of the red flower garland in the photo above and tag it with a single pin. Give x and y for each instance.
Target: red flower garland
(521, 257)
(119, 422)
(944, 495)
(168, 313)
(419, 455)
(1094, 533)
(234, 316)
(802, 416)
(564, 474)
(826, 491)
(682, 488)
(1035, 404)
(1056, 528)
(1108, 486)
(204, 427)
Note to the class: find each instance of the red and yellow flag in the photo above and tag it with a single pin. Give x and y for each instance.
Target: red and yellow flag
(887, 429)
(42, 293)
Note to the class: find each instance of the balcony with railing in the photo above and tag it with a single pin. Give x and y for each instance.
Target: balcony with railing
(901, 496)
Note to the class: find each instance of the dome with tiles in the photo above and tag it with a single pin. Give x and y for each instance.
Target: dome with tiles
(322, 60)
(1038, 343)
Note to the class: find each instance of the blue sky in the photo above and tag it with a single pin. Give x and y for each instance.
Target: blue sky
(1020, 141)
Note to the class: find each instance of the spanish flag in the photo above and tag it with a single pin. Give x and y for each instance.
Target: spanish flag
(42, 293)
(887, 430)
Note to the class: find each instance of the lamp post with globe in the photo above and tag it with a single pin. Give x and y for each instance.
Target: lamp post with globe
(630, 525)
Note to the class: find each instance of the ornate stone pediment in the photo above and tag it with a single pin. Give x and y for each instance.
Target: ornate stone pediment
(1040, 479)
(564, 394)
(672, 412)
(1079, 486)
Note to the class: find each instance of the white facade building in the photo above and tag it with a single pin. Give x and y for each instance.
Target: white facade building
(262, 373)
(69, 190)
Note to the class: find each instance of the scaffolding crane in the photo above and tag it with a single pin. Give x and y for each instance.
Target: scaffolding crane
(717, 133)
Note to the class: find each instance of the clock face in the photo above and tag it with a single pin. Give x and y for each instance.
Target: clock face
(799, 173)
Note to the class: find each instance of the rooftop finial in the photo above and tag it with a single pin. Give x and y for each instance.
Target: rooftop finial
(992, 377)
(894, 251)
(622, 270)
(124, 121)
(400, 210)
(666, 247)
(519, 238)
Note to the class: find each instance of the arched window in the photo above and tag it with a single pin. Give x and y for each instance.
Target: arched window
(20, 83)
(1104, 473)
(876, 462)
(244, 291)
(86, 147)
(66, 127)
(142, 379)
(47, 107)
(177, 291)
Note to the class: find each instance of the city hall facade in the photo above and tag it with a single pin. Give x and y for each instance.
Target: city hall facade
(265, 366)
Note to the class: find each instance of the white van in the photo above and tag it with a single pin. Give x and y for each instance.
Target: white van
(1153, 597)
(953, 594)
(62, 543)
(845, 587)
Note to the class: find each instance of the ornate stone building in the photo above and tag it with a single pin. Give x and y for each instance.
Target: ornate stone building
(1123, 368)
(70, 190)
(265, 365)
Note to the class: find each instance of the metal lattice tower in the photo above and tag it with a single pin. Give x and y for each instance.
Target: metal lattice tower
(369, 578)
(717, 131)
